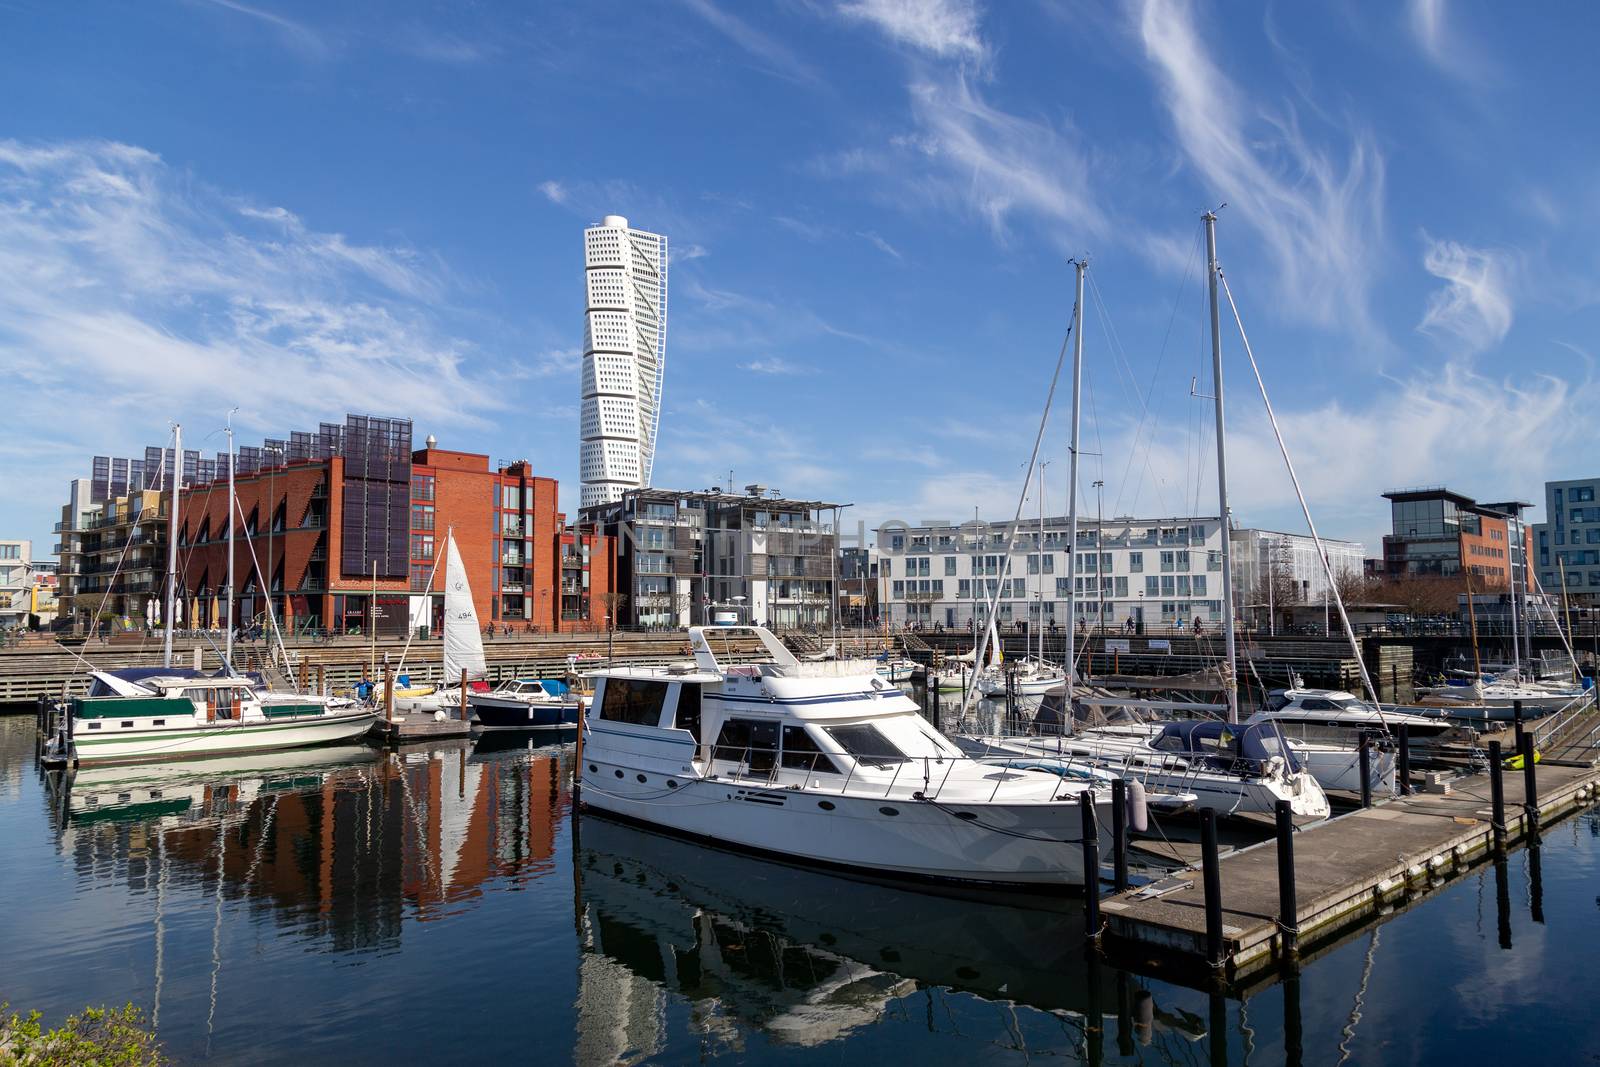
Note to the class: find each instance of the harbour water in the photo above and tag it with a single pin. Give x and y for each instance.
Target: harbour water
(348, 905)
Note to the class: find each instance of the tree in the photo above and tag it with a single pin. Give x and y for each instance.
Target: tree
(614, 602)
(1421, 595)
(1354, 587)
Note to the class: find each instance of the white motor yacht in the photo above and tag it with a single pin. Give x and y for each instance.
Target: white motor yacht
(823, 763)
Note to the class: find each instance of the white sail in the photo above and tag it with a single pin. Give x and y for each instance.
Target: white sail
(463, 644)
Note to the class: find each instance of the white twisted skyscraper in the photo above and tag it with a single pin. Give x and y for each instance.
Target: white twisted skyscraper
(624, 357)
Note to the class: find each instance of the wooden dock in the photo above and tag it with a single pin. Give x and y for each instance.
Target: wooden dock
(406, 729)
(1347, 870)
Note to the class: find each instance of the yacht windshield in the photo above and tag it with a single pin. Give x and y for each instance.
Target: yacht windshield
(867, 744)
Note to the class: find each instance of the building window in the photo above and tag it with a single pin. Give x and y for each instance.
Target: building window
(1183, 561)
(422, 516)
(1152, 585)
(422, 487)
(422, 546)
(899, 590)
(950, 566)
(1136, 561)
(1198, 583)
(1168, 560)
(420, 573)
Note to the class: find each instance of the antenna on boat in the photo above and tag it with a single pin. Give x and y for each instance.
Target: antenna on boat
(1229, 647)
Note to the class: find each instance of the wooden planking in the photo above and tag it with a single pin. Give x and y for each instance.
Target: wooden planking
(1345, 870)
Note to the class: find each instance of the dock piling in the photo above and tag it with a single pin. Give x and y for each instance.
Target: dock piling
(465, 714)
(1091, 867)
(1535, 878)
(1211, 873)
(1516, 718)
(388, 693)
(1530, 783)
(1403, 759)
(1364, 754)
(936, 716)
(1497, 796)
(1119, 832)
(1288, 906)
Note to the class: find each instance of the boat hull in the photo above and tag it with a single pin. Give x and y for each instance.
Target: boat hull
(494, 713)
(1006, 844)
(219, 739)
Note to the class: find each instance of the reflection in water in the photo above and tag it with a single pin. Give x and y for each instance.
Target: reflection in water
(805, 958)
(334, 843)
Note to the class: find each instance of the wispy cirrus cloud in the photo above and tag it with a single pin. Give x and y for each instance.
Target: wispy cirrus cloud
(964, 153)
(770, 55)
(296, 35)
(1320, 216)
(554, 191)
(140, 295)
(776, 365)
(873, 238)
(1475, 307)
(947, 29)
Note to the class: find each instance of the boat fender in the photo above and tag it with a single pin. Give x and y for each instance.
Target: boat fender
(439, 715)
(1138, 810)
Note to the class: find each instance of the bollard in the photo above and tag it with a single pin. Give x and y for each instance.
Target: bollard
(1212, 878)
(465, 714)
(1497, 796)
(1403, 760)
(1530, 784)
(1364, 754)
(1119, 832)
(1091, 867)
(1288, 907)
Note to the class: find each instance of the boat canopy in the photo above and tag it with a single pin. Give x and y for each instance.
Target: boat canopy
(1252, 741)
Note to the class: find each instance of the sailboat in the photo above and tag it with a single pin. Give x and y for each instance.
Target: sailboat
(463, 642)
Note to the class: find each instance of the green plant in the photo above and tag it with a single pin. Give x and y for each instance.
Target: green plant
(104, 1037)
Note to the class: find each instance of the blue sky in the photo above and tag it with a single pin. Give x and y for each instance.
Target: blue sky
(305, 209)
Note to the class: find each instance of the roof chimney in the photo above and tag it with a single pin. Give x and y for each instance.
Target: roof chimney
(431, 442)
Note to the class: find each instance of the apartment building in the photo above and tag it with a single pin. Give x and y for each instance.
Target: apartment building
(1438, 533)
(1156, 572)
(694, 557)
(1568, 541)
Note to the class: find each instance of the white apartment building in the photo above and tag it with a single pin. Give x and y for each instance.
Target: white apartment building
(624, 358)
(1256, 553)
(1158, 572)
(16, 582)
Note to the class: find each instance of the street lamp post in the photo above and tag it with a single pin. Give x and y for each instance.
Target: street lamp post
(1099, 542)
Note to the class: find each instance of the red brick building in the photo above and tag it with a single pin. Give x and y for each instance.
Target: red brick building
(354, 539)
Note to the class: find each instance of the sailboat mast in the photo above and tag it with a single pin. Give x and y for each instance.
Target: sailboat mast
(172, 546)
(1072, 488)
(1039, 622)
(227, 624)
(1516, 626)
(1229, 649)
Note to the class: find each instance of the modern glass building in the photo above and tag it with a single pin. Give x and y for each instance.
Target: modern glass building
(624, 358)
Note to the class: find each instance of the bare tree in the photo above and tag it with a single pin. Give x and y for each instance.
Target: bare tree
(614, 602)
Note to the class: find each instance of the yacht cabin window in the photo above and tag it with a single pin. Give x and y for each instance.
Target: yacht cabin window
(688, 713)
(801, 753)
(633, 700)
(867, 744)
(753, 742)
(1317, 704)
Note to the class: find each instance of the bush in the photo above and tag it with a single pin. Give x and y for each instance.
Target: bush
(106, 1037)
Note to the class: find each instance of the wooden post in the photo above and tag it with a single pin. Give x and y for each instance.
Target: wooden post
(1497, 796)
(1210, 867)
(1288, 907)
(388, 693)
(465, 714)
(1091, 867)
(1530, 783)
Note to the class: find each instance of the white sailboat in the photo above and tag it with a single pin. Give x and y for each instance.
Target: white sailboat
(463, 641)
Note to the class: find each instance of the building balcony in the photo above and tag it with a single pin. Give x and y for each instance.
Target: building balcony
(571, 588)
(512, 587)
(513, 559)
